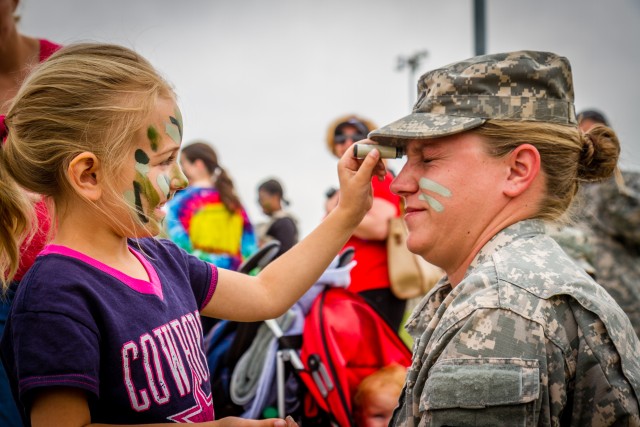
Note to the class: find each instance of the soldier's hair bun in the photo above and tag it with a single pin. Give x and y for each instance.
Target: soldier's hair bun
(599, 155)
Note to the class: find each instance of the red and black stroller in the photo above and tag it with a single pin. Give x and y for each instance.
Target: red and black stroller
(312, 358)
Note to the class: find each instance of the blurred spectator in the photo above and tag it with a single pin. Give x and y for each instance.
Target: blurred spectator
(282, 226)
(370, 277)
(610, 219)
(589, 118)
(604, 236)
(207, 218)
(18, 55)
(377, 396)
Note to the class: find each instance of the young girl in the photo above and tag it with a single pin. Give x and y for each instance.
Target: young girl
(105, 326)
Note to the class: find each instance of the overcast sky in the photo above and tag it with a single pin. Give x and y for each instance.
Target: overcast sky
(261, 79)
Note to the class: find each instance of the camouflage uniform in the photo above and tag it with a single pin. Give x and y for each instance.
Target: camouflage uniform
(527, 338)
(610, 219)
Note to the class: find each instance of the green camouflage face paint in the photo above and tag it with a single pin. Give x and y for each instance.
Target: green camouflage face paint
(154, 137)
(142, 188)
(434, 187)
(181, 178)
(174, 127)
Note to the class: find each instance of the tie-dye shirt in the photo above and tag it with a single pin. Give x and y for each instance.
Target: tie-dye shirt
(199, 223)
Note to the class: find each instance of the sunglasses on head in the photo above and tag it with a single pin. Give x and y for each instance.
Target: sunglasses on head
(341, 139)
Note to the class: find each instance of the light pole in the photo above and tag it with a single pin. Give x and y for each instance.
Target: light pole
(412, 62)
(479, 20)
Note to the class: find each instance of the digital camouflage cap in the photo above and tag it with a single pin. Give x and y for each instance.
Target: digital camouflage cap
(520, 86)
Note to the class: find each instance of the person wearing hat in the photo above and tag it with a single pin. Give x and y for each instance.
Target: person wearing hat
(282, 226)
(515, 333)
(370, 276)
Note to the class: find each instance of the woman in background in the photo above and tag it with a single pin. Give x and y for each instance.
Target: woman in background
(19, 54)
(207, 219)
(370, 277)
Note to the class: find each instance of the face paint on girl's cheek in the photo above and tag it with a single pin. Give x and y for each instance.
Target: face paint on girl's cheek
(142, 162)
(142, 188)
(429, 185)
(154, 137)
(174, 127)
(134, 200)
(164, 183)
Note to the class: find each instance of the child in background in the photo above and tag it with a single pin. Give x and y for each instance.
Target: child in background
(104, 327)
(377, 396)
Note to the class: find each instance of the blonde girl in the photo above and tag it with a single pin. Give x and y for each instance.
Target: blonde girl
(105, 327)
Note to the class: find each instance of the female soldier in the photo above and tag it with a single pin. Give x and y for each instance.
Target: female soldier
(515, 332)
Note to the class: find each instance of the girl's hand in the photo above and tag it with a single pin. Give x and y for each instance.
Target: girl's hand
(356, 196)
(241, 422)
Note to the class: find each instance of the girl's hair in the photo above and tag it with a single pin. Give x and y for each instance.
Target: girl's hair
(568, 156)
(219, 177)
(85, 98)
(389, 378)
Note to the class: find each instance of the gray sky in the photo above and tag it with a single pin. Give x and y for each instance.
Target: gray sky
(261, 79)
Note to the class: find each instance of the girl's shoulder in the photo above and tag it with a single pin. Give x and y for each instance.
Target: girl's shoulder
(154, 247)
(56, 282)
(163, 253)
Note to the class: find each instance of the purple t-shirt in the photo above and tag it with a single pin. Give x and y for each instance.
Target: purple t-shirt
(134, 346)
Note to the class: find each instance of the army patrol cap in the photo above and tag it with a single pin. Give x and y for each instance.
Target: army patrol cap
(518, 86)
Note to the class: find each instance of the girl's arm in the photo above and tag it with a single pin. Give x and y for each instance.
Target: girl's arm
(68, 407)
(269, 294)
(375, 224)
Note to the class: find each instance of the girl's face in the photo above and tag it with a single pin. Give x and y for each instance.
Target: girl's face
(450, 186)
(153, 175)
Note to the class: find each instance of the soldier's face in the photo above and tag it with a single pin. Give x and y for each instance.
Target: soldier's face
(451, 188)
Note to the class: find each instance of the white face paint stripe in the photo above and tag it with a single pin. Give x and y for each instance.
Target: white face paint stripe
(435, 205)
(173, 132)
(142, 168)
(163, 183)
(427, 184)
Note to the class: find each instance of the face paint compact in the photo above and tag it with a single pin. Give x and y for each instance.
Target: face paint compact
(360, 151)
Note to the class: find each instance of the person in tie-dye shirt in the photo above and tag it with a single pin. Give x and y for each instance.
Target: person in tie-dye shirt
(207, 219)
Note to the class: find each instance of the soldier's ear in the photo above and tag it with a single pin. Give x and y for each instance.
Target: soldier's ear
(524, 168)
